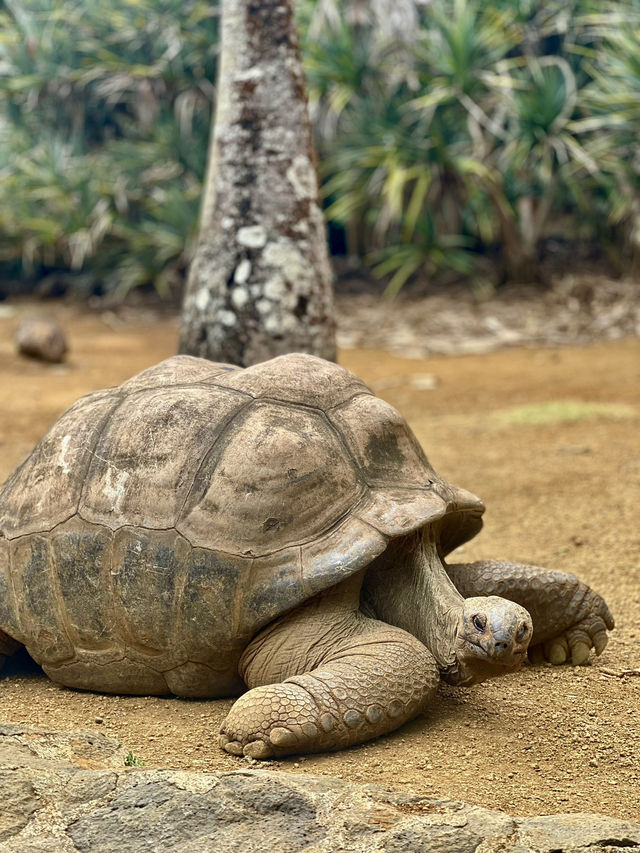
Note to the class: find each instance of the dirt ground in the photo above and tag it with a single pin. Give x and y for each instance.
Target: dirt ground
(549, 437)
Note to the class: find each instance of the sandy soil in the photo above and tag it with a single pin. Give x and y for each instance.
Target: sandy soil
(550, 439)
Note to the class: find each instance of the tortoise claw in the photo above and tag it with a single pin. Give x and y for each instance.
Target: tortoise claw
(233, 747)
(600, 640)
(574, 645)
(556, 651)
(258, 749)
(252, 749)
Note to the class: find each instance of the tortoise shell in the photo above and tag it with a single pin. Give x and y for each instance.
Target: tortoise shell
(158, 526)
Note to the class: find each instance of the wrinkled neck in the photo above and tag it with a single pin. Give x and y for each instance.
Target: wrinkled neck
(408, 587)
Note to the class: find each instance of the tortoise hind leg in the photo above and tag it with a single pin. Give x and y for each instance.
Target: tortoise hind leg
(326, 677)
(7, 647)
(569, 618)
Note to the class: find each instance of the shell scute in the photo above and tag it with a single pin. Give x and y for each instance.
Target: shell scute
(297, 378)
(378, 437)
(81, 555)
(145, 459)
(275, 586)
(147, 569)
(395, 512)
(8, 611)
(205, 622)
(177, 370)
(279, 476)
(119, 675)
(38, 604)
(336, 555)
(45, 490)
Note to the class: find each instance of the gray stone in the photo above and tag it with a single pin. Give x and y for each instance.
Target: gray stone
(53, 802)
(41, 339)
(22, 746)
(577, 833)
(19, 801)
(157, 815)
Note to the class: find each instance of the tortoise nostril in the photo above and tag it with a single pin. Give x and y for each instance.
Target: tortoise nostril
(502, 645)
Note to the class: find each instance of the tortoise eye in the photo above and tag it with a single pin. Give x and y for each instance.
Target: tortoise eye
(480, 623)
(522, 633)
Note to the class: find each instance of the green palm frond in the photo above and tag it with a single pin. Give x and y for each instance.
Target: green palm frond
(123, 92)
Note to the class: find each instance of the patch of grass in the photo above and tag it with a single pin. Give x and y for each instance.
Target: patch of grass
(560, 411)
(132, 760)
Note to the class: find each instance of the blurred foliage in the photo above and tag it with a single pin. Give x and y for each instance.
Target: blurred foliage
(445, 128)
(104, 120)
(475, 127)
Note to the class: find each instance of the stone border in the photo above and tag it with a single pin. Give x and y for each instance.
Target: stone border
(70, 792)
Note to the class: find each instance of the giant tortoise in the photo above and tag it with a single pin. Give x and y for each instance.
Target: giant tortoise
(204, 528)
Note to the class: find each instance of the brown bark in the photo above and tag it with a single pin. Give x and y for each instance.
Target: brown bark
(260, 284)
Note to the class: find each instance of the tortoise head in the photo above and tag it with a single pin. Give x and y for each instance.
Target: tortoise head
(492, 640)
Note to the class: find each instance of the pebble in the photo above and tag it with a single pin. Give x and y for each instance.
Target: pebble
(41, 339)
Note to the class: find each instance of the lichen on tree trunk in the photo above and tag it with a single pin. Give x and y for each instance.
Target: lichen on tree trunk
(260, 283)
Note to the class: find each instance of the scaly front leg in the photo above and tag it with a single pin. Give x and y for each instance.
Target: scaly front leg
(326, 677)
(569, 618)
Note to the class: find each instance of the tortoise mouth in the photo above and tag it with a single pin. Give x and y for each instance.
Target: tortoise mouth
(479, 651)
(477, 663)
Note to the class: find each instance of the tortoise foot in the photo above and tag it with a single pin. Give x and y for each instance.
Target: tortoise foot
(569, 618)
(573, 645)
(274, 720)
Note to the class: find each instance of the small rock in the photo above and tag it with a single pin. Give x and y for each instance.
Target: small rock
(42, 339)
(99, 720)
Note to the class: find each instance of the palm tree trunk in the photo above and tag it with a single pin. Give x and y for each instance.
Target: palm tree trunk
(260, 284)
